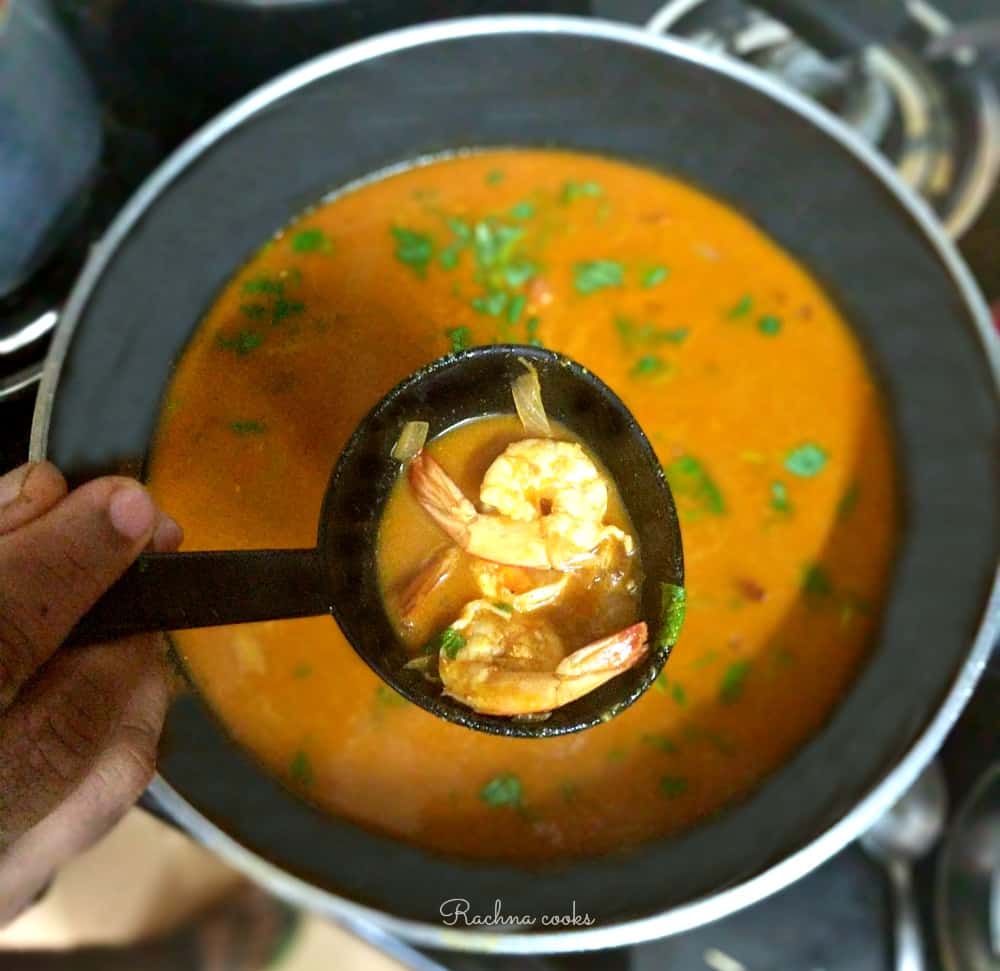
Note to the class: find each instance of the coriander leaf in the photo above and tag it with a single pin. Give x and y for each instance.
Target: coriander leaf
(660, 684)
(678, 693)
(593, 275)
(650, 366)
(460, 228)
(502, 790)
(531, 331)
(616, 755)
(569, 791)
(449, 641)
(300, 769)
(243, 343)
(743, 306)
(285, 308)
(848, 501)
(494, 242)
(816, 581)
(523, 210)
(731, 686)
(516, 307)
(636, 335)
(251, 427)
(311, 241)
(255, 311)
(448, 257)
(263, 284)
(460, 338)
(302, 671)
(384, 695)
(503, 607)
(805, 460)
(779, 498)
(659, 742)
(492, 304)
(673, 785)
(653, 276)
(769, 324)
(494, 177)
(572, 191)
(690, 481)
(414, 249)
(519, 272)
(673, 605)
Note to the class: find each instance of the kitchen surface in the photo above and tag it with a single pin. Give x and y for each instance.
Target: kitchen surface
(147, 896)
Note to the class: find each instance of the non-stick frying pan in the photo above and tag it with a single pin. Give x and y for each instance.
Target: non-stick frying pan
(800, 177)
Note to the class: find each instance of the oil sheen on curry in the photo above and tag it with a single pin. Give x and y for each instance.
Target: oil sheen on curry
(744, 376)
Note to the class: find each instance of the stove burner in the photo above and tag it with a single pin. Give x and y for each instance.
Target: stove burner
(936, 121)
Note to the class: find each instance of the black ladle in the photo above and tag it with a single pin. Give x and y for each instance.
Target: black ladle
(171, 591)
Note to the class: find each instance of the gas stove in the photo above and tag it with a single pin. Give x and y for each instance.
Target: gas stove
(936, 118)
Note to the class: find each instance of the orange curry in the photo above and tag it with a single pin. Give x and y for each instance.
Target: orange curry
(746, 379)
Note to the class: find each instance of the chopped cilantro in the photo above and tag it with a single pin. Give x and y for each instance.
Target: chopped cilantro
(503, 607)
(251, 427)
(502, 790)
(660, 684)
(519, 272)
(779, 498)
(593, 275)
(492, 304)
(690, 480)
(448, 257)
(311, 241)
(673, 605)
(285, 308)
(384, 695)
(616, 755)
(769, 324)
(634, 335)
(659, 742)
(731, 686)
(678, 693)
(673, 785)
(460, 228)
(460, 338)
(414, 249)
(572, 191)
(531, 331)
(805, 460)
(653, 276)
(302, 671)
(300, 769)
(848, 501)
(494, 242)
(516, 307)
(450, 641)
(263, 284)
(816, 581)
(255, 311)
(741, 308)
(650, 366)
(243, 343)
(494, 177)
(523, 210)
(569, 791)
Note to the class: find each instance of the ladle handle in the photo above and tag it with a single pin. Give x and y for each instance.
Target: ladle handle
(173, 591)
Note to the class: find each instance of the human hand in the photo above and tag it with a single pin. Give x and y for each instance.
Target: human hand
(78, 728)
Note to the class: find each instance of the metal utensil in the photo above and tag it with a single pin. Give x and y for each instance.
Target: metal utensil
(901, 837)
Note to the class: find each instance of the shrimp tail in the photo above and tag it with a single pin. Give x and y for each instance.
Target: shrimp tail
(441, 498)
(431, 574)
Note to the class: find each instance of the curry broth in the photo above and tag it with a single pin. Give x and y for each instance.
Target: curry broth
(748, 382)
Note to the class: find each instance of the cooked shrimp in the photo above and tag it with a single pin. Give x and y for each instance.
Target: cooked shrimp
(538, 524)
(514, 665)
(525, 590)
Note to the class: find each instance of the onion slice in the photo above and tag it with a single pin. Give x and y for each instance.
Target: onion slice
(411, 440)
(527, 390)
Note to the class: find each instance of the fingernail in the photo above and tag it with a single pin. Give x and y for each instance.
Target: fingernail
(168, 536)
(12, 484)
(132, 511)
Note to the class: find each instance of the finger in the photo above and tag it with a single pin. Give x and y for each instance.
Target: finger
(28, 492)
(115, 781)
(55, 567)
(80, 744)
(167, 535)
